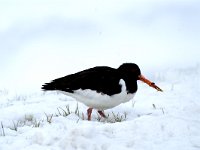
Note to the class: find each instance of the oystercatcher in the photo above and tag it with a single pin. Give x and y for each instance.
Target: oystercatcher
(101, 87)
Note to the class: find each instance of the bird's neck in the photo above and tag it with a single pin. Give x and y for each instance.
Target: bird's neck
(131, 83)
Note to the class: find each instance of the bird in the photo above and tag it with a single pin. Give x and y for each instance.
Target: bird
(101, 87)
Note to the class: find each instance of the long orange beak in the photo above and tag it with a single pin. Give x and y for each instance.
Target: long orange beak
(153, 85)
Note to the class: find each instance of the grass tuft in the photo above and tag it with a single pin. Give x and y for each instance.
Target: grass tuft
(15, 125)
(119, 118)
(36, 124)
(162, 109)
(113, 118)
(63, 112)
(49, 118)
(3, 132)
(66, 111)
(154, 106)
(77, 110)
(133, 103)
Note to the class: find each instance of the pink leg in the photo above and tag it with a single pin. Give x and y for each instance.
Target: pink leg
(89, 112)
(101, 113)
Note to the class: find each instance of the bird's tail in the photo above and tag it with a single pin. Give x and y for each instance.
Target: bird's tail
(48, 86)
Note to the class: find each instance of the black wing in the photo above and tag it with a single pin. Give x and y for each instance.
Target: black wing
(100, 79)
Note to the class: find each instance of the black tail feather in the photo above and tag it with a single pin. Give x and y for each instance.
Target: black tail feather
(48, 86)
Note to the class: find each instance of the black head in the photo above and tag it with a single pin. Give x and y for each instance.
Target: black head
(132, 71)
(130, 68)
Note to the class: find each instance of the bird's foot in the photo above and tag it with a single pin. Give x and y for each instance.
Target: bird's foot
(101, 113)
(89, 112)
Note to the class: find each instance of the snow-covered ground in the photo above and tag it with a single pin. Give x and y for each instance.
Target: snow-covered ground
(41, 40)
(151, 121)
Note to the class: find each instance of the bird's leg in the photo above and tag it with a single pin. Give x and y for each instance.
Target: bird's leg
(101, 113)
(89, 112)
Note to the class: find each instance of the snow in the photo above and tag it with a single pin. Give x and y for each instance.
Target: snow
(44, 40)
(152, 120)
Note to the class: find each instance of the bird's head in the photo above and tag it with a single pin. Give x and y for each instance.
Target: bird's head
(133, 70)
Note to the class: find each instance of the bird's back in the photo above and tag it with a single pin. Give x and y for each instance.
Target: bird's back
(100, 79)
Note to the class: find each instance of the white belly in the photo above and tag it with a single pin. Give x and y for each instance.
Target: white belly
(101, 101)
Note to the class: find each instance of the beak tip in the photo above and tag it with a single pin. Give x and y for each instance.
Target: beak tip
(152, 84)
(160, 90)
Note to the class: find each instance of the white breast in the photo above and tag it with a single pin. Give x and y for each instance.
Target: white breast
(101, 101)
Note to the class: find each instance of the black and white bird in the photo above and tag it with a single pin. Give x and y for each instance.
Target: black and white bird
(101, 87)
